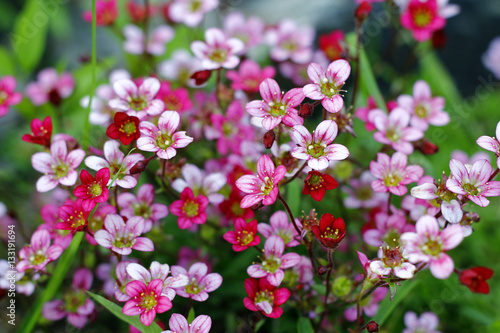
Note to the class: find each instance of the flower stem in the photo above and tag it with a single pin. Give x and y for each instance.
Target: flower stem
(287, 208)
(328, 287)
(296, 174)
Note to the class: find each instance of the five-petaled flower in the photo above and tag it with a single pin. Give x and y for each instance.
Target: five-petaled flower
(73, 216)
(179, 324)
(41, 132)
(475, 279)
(491, 143)
(8, 96)
(316, 184)
(327, 84)
(217, 51)
(39, 253)
(330, 230)
(263, 187)
(124, 128)
(190, 209)
(264, 297)
(422, 18)
(93, 190)
(244, 235)
(200, 283)
(393, 259)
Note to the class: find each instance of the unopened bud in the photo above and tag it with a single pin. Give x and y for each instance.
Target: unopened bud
(258, 206)
(362, 12)
(426, 147)
(342, 286)
(201, 77)
(269, 138)
(306, 110)
(139, 167)
(372, 327)
(439, 39)
(322, 270)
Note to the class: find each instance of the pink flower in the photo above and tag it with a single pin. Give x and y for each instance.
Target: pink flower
(122, 237)
(50, 87)
(146, 300)
(465, 159)
(106, 13)
(50, 215)
(58, 167)
(174, 99)
(155, 45)
(263, 187)
(97, 221)
(491, 143)
(361, 195)
(388, 228)
(201, 183)
(422, 18)
(429, 245)
(143, 205)
(163, 139)
(179, 324)
(317, 149)
(394, 130)
(200, 283)
(115, 159)
(190, 12)
(276, 107)
(249, 76)
(393, 173)
(264, 297)
(291, 42)
(75, 305)
(122, 279)
(326, 85)
(393, 260)
(370, 305)
(280, 226)
(491, 58)
(93, 190)
(249, 31)
(180, 66)
(474, 182)
(158, 271)
(244, 235)
(137, 101)
(217, 51)
(37, 255)
(8, 96)
(426, 323)
(190, 209)
(424, 108)
(274, 261)
(364, 111)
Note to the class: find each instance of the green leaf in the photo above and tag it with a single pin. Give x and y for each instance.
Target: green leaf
(191, 315)
(293, 195)
(387, 306)
(30, 32)
(259, 325)
(393, 288)
(304, 326)
(54, 284)
(131, 320)
(7, 67)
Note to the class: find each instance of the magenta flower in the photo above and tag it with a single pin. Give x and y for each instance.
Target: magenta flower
(37, 255)
(190, 12)
(8, 96)
(73, 216)
(264, 297)
(291, 42)
(474, 182)
(142, 205)
(146, 300)
(249, 76)
(426, 323)
(317, 149)
(263, 187)
(364, 111)
(58, 167)
(158, 271)
(491, 143)
(155, 45)
(327, 84)
(174, 99)
(424, 108)
(428, 244)
(217, 51)
(114, 161)
(137, 101)
(369, 306)
(50, 215)
(422, 18)
(394, 130)
(122, 279)
(106, 12)
(50, 87)
(92, 190)
(121, 237)
(274, 261)
(388, 228)
(276, 108)
(200, 183)
(200, 283)
(393, 174)
(279, 226)
(491, 58)
(163, 139)
(190, 209)
(179, 324)
(244, 235)
(250, 31)
(76, 305)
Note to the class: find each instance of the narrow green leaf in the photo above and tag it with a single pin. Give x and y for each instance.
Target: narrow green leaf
(30, 32)
(7, 67)
(131, 320)
(387, 306)
(191, 315)
(259, 324)
(54, 284)
(293, 194)
(304, 326)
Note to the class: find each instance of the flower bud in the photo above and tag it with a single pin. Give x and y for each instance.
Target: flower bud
(201, 77)
(322, 270)
(306, 110)
(372, 327)
(342, 286)
(269, 138)
(426, 147)
(362, 12)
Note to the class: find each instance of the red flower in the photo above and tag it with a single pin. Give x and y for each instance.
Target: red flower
(189, 209)
(264, 297)
(73, 217)
(475, 279)
(333, 44)
(330, 231)
(42, 132)
(362, 12)
(317, 183)
(92, 190)
(124, 128)
(244, 236)
(232, 209)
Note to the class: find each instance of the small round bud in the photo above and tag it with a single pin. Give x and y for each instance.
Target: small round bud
(342, 286)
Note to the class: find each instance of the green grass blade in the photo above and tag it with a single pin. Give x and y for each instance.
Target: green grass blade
(387, 306)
